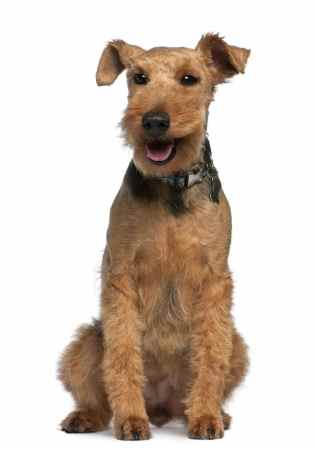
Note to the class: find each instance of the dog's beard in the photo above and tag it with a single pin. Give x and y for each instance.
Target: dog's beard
(164, 156)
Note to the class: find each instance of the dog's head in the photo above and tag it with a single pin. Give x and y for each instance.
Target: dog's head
(170, 90)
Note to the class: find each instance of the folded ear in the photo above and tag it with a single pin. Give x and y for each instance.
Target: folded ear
(115, 58)
(224, 60)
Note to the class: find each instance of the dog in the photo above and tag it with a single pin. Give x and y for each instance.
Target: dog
(165, 345)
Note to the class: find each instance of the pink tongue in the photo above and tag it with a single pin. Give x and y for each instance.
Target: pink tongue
(159, 155)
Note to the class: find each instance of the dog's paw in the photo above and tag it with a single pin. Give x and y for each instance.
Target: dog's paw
(227, 420)
(82, 421)
(133, 429)
(206, 427)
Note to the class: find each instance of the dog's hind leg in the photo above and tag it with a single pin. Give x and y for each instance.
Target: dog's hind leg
(81, 374)
(159, 415)
(238, 370)
(164, 396)
(238, 365)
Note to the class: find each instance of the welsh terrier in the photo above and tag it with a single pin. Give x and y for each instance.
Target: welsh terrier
(165, 345)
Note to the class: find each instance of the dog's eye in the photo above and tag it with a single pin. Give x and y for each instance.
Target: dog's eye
(140, 78)
(189, 80)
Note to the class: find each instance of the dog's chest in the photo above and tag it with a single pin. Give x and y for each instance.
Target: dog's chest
(170, 265)
(171, 250)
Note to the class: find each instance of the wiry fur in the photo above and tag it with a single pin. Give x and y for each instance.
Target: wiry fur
(165, 345)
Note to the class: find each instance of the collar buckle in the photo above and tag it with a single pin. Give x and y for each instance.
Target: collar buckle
(185, 180)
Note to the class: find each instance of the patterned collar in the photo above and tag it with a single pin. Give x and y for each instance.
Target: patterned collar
(205, 170)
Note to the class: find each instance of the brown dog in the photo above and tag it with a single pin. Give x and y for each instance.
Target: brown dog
(166, 345)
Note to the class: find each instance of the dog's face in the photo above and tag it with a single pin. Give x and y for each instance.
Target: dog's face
(170, 90)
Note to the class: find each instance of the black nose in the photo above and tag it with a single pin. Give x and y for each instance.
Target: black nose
(156, 123)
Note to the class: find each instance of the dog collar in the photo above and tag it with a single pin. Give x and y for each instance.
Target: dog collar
(205, 170)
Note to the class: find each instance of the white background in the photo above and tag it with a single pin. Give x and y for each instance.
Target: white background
(62, 162)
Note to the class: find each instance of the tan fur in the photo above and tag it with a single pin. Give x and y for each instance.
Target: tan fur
(166, 345)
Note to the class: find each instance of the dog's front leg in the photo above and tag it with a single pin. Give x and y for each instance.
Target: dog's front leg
(123, 365)
(211, 347)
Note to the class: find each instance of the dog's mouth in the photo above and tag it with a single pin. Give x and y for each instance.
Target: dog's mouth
(160, 152)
